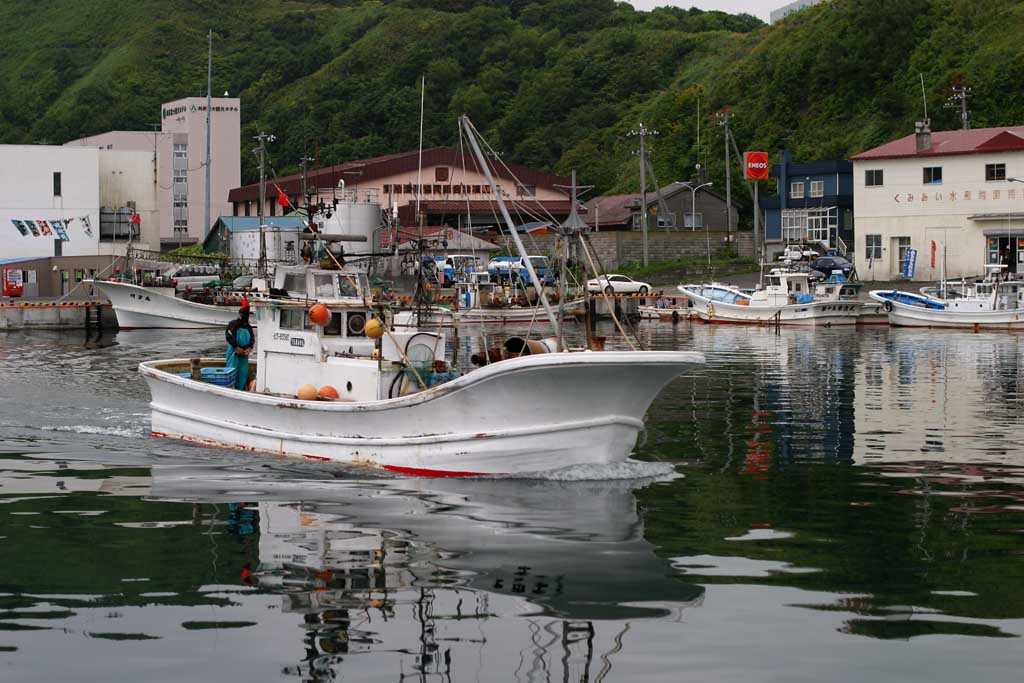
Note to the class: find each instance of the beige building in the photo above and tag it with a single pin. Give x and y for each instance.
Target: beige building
(175, 167)
(450, 189)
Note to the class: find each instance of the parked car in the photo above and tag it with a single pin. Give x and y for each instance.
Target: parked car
(617, 284)
(827, 264)
(798, 252)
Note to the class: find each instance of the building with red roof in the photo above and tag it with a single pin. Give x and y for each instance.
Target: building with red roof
(949, 201)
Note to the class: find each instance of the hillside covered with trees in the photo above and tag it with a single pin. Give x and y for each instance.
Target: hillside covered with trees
(552, 83)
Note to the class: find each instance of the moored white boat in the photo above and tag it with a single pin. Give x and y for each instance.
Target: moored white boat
(158, 307)
(993, 305)
(787, 299)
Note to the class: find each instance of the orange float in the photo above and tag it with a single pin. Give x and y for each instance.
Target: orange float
(319, 315)
(327, 391)
(306, 392)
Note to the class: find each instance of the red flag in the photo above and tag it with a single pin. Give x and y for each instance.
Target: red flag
(933, 253)
(282, 198)
(136, 219)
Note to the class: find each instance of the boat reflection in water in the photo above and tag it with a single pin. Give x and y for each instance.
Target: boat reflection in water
(426, 571)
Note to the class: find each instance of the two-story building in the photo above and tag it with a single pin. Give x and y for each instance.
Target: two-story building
(814, 204)
(681, 206)
(952, 196)
(439, 187)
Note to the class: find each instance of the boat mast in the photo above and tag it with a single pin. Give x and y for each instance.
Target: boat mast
(471, 135)
(209, 80)
(568, 231)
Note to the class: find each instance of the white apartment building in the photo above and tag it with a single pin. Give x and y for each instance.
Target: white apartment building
(953, 196)
(176, 167)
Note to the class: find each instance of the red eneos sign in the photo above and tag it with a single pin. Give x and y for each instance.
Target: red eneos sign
(755, 165)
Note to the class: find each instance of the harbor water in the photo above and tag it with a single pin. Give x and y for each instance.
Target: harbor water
(812, 505)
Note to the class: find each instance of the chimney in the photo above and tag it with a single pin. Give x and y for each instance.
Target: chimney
(923, 134)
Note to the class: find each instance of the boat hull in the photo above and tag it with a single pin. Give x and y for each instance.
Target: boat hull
(909, 315)
(526, 414)
(140, 308)
(824, 313)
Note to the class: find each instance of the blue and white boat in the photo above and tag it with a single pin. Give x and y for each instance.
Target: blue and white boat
(788, 298)
(993, 304)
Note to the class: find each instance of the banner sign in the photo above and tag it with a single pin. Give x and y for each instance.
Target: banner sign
(910, 263)
(755, 165)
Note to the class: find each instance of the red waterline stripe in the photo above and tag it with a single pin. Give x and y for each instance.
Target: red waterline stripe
(417, 472)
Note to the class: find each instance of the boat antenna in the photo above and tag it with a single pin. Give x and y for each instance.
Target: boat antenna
(419, 167)
(261, 151)
(485, 167)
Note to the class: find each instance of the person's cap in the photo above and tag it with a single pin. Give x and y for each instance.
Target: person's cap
(245, 304)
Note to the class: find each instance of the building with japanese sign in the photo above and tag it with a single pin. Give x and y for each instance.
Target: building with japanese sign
(953, 196)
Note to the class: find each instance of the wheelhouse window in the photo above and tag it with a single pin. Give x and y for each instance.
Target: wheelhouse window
(874, 178)
(932, 175)
(995, 171)
(295, 319)
(796, 190)
(323, 285)
(872, 247)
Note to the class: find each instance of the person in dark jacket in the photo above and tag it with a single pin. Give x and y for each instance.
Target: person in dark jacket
(241, 339)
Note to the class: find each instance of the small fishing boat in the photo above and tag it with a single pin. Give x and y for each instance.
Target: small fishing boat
(160, 307)
(672, 313)
(788, 298)
(990, 304)
(400, 405)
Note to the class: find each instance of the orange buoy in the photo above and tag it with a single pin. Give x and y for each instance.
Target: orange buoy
(374, 328)
(319, 315)
(327, 391)
(306, 392)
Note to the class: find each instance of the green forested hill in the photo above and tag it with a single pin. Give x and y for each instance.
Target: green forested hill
(551, 83)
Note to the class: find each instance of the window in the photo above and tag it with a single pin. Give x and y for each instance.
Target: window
(427, 189)
(441, 174)
(693, 220)
(323, 285)
(796, 190)
(932, 175)
(475, 190)
(873, 247)
(56, 183)
(794, 226)
(817, 188)
(822, 224)
(387, 189)
(874, 178)
(992, 172)
(437, 189)
(903, 245)
(294, 319)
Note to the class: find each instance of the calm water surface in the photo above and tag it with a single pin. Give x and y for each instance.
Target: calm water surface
(850, 508)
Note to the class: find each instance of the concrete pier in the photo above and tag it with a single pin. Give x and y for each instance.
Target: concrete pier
(55, 315)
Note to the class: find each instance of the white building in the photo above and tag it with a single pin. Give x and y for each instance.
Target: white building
(177, 153)
(786, 10)
(951, 194)
(66, 201)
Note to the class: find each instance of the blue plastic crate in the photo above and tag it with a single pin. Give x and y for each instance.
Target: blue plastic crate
(224, 377)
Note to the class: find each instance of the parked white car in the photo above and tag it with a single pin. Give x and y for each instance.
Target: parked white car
(617, 284)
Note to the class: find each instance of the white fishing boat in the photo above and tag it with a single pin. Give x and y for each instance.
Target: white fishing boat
(159, 307)
(674, 312)
(395, 401)
(788, 298)
(989, 304)
(401, 407)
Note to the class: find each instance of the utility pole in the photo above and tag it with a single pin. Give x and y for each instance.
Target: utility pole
(643, 132)
(209, 78)
(724, 119)
(261, 152)
(958, 99)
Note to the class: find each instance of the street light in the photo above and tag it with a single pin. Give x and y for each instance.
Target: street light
(693, 212)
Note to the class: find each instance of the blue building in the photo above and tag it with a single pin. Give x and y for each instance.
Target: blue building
(814, 204)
